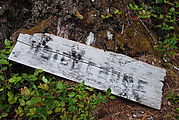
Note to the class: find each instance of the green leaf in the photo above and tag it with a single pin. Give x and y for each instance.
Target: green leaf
(19, 110)
(11, 98)
(60, 85)
(25, 76)
(7, 42)
(97, 101)
(6, 107)
(108, 92)
(32, 111)
(1, 89)
(37, 71)
(44, 79)
(49, 112)
(2, 77)
(136, 7)
(117, 12)
(177, 5)
(4, 68)
(99, 96)
(10, 95)
(112, 97)
(43, 86)
(82, 83)
(3, 56)
(130, 5)
(159, 1)
(104, 99)
(34, 86)
(80, 97)
(172, 9)
(72, 101)
(71, 108)
(72, 94)
(25, 91)
(62, 103)
(171, 28)
(15, 79)
(56, 103)
(7, 52)
(161, 16)
(4, 62)
(33, 101)
(58, 109)
(32, 78)
(22, 102)
(2, 97)
(103, 16)
(3, 115)
(90, 89)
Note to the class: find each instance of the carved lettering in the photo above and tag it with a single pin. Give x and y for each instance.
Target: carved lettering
(115, 76)
(125, 76)
(103, 73)
(89, 68)
(141, 85)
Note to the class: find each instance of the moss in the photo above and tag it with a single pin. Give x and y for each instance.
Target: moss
(135, 39)
(44, 24)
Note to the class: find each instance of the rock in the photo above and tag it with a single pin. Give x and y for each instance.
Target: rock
(90, 39)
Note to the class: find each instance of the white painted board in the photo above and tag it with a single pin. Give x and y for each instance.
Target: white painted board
(127, 77)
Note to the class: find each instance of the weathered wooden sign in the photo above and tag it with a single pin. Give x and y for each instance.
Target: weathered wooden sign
(127, 77)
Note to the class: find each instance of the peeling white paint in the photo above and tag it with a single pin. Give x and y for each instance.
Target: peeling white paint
(90, 39)
(127, 77)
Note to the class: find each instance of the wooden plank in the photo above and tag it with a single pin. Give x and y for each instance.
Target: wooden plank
(127, 77)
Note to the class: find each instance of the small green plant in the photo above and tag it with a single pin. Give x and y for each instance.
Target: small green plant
(166, 22)
(168, 46)
(116, 12)
(143, 12)
(174, 99)
(165, 26)
(4, 67)
(134, 7)
(36, 95)
(106, 16)
(168, 18)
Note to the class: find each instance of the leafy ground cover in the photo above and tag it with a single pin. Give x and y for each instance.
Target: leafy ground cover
(33, 94)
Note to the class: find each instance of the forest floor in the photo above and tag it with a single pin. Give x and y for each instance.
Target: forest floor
(120, 33)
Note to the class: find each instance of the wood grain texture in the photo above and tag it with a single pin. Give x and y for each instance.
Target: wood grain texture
(127, 77)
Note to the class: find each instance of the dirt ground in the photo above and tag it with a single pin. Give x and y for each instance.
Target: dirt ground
(120, 33)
